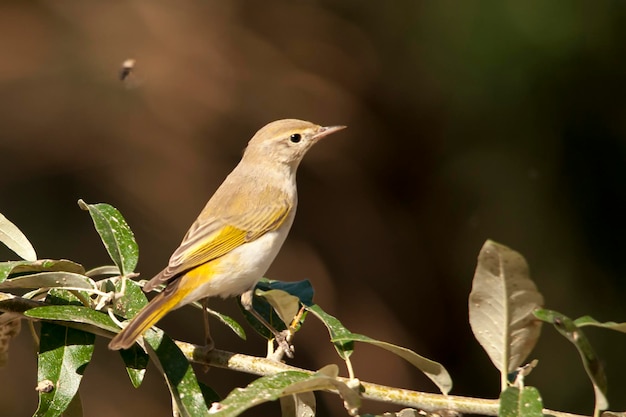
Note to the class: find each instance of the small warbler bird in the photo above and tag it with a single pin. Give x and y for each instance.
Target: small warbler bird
(239, 232)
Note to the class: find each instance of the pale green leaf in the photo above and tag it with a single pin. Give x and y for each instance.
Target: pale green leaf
(590, 321)
(285, 304)
(501, 307)
(51, 265)
(49, 280)
(302, 290)
(15, 240)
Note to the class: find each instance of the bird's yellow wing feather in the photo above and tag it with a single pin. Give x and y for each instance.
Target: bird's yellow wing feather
(211, 239)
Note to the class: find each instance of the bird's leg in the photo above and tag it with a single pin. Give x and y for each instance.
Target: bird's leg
(280, 337)
(205, 318)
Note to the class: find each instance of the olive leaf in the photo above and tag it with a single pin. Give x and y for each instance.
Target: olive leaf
(501, 306)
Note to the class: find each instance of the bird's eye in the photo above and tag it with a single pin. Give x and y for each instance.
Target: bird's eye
(295, 138)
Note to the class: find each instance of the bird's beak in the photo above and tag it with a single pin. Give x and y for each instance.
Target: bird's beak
(325, 131)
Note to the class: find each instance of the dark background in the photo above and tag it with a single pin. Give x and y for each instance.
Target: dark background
(467, 121)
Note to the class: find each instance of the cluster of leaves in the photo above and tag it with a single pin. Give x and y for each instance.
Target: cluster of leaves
(505, 312)
(74, 305)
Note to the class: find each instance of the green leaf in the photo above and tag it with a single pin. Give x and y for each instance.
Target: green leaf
(116, 235)
(592, 364)
(228, 321)
(15, 240)
(272, 387)
(520, 403)
(501, 303)
(22, 267)
(49, 280)
(74, 314)
(264, 389)
(131, 299)
(178, 373)
(342, 338)
(64, 353)
(337, 331)
(433, 370)
(136, 361)
(590, 321)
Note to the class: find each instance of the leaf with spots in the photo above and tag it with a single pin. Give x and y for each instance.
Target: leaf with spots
(189, 397)
(520, 402)
(116, 235)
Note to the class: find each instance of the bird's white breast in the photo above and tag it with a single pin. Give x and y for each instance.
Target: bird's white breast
(239, 270)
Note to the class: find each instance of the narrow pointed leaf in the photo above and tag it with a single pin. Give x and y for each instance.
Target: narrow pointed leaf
(516, 402)
(15, 240)
(433, 370)
(228, 322)
(136, 361)
(51, 265)
(592, 364)
(116, 235)
(64, 353)
(128, 304)
(178, 373)
(264, 389)
(343, 340)
(74, 314)
(344, 346)
(272, 387)
(590, 321)
(501, 307)
(49, 280)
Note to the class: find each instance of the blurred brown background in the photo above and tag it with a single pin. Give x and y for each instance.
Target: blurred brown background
(467, 121)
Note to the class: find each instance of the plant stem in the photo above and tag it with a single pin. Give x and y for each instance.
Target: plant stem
(419, 400)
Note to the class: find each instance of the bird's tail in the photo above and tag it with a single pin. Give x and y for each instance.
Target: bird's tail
(146, 318)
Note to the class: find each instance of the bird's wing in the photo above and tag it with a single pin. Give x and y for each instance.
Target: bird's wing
(215, 237)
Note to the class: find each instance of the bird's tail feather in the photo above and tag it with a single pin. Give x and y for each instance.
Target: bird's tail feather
(146, 318)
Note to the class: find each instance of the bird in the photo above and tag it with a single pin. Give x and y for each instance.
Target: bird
(237, 235)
